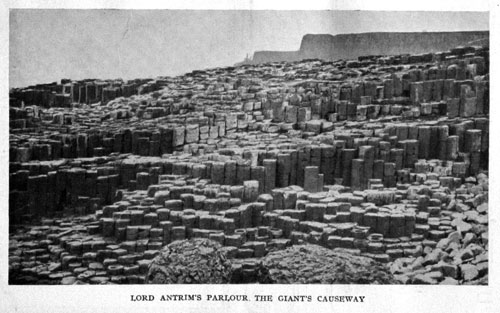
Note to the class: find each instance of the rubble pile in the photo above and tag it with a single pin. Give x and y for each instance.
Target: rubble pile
(387, 160)
(199, 261)
(310, 264)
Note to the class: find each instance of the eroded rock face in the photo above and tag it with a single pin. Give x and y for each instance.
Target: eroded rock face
(196, 261)
(311, 264)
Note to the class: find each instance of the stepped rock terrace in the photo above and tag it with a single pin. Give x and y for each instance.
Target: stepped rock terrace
(381, 157)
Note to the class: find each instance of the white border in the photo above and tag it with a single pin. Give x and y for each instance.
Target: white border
(378, 298)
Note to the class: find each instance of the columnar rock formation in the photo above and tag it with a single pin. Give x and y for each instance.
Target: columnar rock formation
(385, 157)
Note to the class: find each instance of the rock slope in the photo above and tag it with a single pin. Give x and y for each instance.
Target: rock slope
(385, 156)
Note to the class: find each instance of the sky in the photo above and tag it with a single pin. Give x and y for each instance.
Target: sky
(49, 44)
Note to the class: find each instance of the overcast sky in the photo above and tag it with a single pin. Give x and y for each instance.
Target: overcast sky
(47, 45)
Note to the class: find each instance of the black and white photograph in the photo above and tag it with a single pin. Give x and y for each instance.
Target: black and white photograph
(240, 147)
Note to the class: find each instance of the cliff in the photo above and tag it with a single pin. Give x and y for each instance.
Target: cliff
(351, 46)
